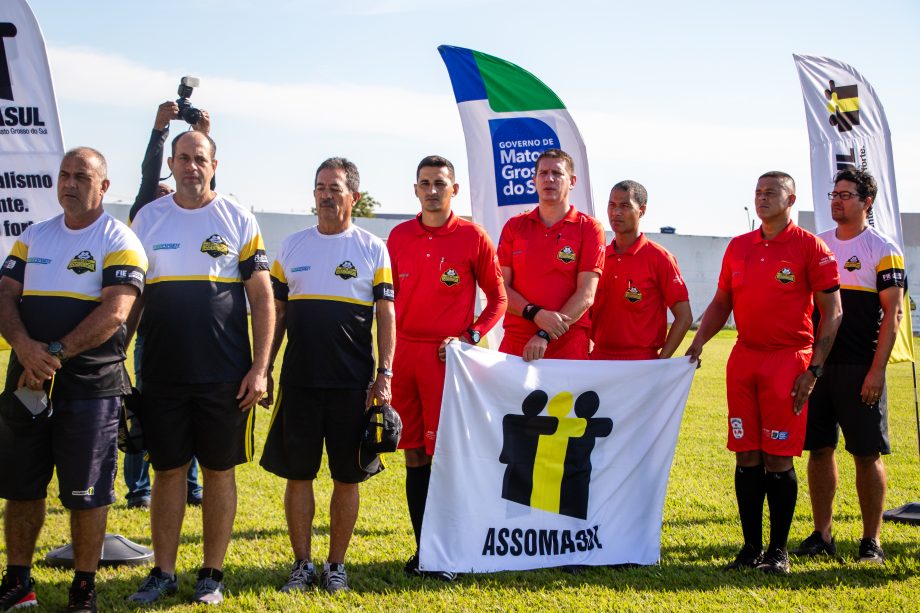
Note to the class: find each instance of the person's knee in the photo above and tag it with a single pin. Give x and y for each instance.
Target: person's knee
(821, 455)
(172, 474)
(746, 459)
(776, 463)
(417, 457)
(867, 462)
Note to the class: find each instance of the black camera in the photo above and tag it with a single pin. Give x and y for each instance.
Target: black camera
(187, 112)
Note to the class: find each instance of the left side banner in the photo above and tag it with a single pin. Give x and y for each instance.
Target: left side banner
(31, 144)
(551, 463)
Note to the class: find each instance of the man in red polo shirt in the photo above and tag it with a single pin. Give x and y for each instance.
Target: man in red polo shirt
(551, 260)
(769, 279)
(641, 281)
(438, 260)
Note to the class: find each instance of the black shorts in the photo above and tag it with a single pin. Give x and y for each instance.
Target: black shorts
(302, 420)
(79, 440)
(835, 401)
(201, 420)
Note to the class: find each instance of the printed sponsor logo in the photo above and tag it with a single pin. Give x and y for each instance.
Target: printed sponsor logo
(301, 268)
(737, 427)
(37, 261)
(388, 293)
(539, 542)
(517, 142)
(843, 106)
(87, 492)
(260, 258)
(852, 264)
(136, 275)
(121, 274)
(162, 246)
(776, 435)
(82, 262)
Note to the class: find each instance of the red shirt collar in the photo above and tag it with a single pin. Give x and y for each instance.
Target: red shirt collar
(638, 244)
(452, 222)
(782, 237)
(570, 216)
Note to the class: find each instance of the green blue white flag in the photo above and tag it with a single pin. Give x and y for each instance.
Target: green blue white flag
(509, 117)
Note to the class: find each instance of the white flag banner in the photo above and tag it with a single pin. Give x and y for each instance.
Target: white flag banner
(847, 128)
(509, 117)
(551, 463)
(31, 145)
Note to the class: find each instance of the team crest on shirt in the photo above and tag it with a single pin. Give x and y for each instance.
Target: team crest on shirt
(632, 293)
(737, 427)
(215, 246)
(566, 254)
(450, 277)
(852, 264)
(346, 270)
(82, 262)
(785, 276)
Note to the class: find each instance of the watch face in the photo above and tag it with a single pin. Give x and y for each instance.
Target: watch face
(55, 347)
(475, 336)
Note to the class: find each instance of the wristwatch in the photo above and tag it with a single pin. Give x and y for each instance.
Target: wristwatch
(56, 348)
(817, 370)
(386, 372)
(474, 335)
(544, 335)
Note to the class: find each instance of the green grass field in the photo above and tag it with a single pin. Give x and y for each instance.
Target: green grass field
(700, 535)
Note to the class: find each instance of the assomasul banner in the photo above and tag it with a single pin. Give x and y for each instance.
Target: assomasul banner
(509, 117)
(551, 463)
(31, 145)
(847, 128)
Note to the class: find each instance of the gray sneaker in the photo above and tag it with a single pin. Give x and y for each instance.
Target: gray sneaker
(334, 578)
(208, 591)
(302, 577)
(155, 586)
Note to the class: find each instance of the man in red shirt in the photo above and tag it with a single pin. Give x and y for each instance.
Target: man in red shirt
(769, 279)
(641, 280)
(438, 260)
(551, 260)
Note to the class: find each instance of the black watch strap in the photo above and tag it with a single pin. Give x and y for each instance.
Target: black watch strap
(816, 369)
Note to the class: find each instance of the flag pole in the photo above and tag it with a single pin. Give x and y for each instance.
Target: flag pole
(910, 512)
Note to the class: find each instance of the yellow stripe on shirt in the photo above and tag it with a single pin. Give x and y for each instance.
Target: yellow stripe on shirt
(383, 275)
(278, 271)
(250, 248)
(33, 292)
(20, 251)
(196, 278)
(333, 298)
(890, 261)
(126, 257)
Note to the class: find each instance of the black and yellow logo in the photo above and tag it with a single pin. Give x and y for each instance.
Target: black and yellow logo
(346, 270)
(82, 262)
(450, 277)
(548, 457)
(566, 254)
(852, 264)
(632, 293)
(785, 276)
(215, 246)
(843, 105)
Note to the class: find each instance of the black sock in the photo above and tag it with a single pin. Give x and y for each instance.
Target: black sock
(20, 573)
(417, 478)
(84, 580)
(205, 572)
(782, 492)
(750, 491)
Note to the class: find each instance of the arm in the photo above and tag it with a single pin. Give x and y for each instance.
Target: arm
(134, 319)
(576, 306)
(103, 321)
(555, 323)
(255, 383)
(277, 338)
(891, 299)
(831, 314)
(153, 157)
(386, 345)
(683, 317)
(713, 319)
(39, 365)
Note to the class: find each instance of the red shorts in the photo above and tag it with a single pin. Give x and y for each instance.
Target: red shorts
(759, 388)
(573, 345)
(418, 384)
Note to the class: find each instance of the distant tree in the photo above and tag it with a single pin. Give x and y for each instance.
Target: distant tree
(364, 207)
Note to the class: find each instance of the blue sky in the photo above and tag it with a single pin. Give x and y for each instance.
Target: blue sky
(694, 100)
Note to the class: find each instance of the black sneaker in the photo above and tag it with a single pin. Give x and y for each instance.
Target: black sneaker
(302, 577)
(81, 599)
(155, 586)
(870, 552)
(748, 557)
(16, 595)
(775, 562)
(411, 568)
(815, 545)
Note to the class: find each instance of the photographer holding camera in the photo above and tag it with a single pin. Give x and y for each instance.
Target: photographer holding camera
(136, 469)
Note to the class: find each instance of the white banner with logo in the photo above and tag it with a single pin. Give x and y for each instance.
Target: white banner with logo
(551, 463)
(31, 144)
(847, 128)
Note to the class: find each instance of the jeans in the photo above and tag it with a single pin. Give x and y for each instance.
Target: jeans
(136, 469)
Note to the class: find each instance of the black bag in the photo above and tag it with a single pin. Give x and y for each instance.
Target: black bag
(130, 432)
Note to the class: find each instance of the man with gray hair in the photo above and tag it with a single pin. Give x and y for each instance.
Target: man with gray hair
(329, 281)
(68, 286)
(629, 319)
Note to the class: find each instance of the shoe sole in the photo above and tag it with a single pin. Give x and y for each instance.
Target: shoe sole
(24, 605)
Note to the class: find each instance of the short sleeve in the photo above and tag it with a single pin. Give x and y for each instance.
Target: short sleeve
(822, 269)
(670, 281)
(889, 272)
(593, 247)
(125, 262)
(506, 243)
(14, 266)
(252, 251)
(383, 275)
